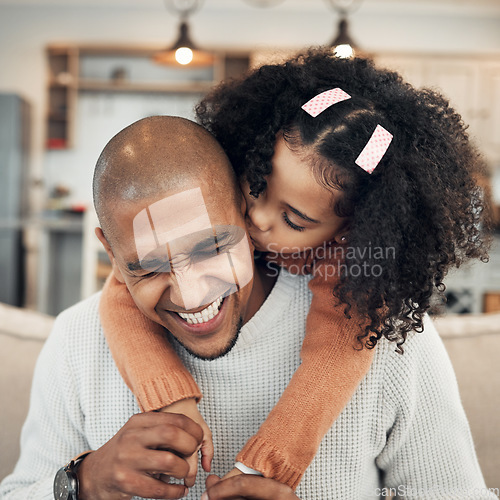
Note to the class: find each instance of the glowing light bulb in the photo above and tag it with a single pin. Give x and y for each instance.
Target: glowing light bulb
(184, 55)
(344, 51)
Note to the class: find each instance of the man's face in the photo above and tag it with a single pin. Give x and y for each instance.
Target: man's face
(186, 260)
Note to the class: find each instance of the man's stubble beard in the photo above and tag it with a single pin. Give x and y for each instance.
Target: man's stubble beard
(237, 325)
(222, 352)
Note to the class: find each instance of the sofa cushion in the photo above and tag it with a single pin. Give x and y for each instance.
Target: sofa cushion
(473, 344)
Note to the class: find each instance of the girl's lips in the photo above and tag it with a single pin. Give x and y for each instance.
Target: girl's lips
(256, 244)
(207, 327)
(251, 231)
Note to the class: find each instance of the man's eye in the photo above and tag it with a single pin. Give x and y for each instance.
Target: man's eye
(206, 251)
(153, 271)
(148, 275)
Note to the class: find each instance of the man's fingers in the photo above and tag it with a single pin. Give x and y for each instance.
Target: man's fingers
(249, 487)
(169, 437)
(165, 462)
(150, 487)
(211, 480)
(141, 457)
(153, 418)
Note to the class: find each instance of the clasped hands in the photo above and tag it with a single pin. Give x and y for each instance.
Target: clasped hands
(152, 447)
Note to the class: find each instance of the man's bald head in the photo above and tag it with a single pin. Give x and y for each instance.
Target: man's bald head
(156, 155)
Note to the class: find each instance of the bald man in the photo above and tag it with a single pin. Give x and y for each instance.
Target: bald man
(171, 221)
(159, 202)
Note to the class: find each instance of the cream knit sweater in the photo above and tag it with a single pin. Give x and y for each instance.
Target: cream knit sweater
(404, 428)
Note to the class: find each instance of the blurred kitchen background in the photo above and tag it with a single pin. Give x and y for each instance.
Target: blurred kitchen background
(75, 72)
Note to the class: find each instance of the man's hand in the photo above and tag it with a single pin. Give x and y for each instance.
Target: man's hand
(246, 487)
(140, 458)
(189, 408)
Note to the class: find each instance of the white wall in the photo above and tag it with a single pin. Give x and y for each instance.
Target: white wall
(26, 27)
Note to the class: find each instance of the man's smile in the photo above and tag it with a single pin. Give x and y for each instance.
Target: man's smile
(205, 321)
(203, 315)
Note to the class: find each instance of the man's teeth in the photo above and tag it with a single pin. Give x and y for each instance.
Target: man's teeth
(202, 316)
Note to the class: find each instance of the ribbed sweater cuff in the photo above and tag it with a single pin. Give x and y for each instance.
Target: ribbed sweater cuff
(156, 393)
(260, 455)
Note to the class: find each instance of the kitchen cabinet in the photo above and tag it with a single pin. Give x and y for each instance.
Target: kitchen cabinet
(490, 111)
(472, 85)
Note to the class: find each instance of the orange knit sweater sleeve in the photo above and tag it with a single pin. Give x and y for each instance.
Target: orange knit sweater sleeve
(145, 358)
(328, 376)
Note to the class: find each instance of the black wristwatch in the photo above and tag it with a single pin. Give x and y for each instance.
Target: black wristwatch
(66, 480)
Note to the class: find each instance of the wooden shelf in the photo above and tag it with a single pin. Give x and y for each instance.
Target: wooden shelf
(61, 91)
(107, 86)
(92, 68)
(53, 83)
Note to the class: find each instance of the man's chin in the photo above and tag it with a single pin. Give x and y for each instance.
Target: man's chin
(210, 355)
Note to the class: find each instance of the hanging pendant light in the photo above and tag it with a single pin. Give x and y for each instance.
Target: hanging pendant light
(184, 52)
(343, 45)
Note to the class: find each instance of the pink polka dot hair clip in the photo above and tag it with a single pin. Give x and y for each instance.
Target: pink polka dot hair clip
(319, 103)
(379, 141)
(374, 150)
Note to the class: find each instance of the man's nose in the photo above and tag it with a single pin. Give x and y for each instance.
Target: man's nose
(195, 287)
(189, 290)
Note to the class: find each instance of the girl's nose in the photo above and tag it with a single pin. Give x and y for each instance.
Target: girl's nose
(260, 217)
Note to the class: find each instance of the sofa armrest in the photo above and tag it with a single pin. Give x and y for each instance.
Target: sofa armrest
(22, 334)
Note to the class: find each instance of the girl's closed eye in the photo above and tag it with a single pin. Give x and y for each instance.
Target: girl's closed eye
(291, 224)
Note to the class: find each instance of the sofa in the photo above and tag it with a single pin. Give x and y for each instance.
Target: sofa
(472, 341)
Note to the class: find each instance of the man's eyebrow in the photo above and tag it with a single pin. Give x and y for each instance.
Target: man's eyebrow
(145, 264)
(301, 215)
(208, 241)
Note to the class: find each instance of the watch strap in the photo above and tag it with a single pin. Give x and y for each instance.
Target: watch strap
(71, 468)
(80, 456)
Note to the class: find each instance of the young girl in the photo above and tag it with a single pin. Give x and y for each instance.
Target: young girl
(355, 177)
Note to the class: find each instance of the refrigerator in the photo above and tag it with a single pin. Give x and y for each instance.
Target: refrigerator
(14, 165)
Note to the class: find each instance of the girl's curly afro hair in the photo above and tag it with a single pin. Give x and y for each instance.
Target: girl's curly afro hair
(422, 201)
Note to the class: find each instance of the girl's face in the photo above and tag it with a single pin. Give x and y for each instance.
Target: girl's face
(295, 212)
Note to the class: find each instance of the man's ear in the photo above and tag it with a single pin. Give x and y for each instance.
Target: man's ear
(109, 251)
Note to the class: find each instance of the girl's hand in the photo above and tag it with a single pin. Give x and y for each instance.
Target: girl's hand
(189, 408)
(247, 487)
(232, 473)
